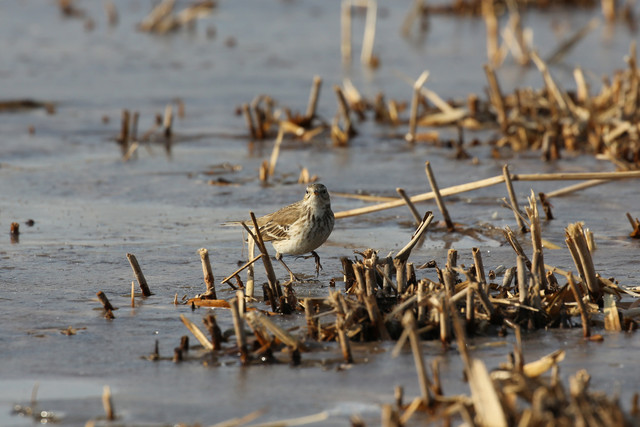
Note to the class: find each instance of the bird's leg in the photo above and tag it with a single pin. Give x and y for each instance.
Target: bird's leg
(316, 257)
(292, 277)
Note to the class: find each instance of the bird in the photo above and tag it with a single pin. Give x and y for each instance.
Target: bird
(301, 227)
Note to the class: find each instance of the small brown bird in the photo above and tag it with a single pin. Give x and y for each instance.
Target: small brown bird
(301, 227)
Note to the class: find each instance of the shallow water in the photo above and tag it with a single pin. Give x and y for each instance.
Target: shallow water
(90, 208)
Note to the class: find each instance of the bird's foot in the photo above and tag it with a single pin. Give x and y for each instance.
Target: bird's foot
(292, 277)
(316, 257)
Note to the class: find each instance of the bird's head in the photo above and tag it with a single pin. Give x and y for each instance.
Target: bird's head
(317, 194)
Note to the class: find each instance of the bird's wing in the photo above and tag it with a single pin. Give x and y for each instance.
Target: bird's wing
(276, 226)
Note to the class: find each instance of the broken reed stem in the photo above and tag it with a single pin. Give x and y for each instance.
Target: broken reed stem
(249, 289)
(421, 301)
(247, 116)
(477, 260)
(124, 129)
(546, 206)
(508, 277)
(345, 29)
(576, 187)
(491, 22)
(611, 315)
(214, 331)
(134, 126)
(360, 280)
(566, 46)
(137, 271)
(470, 311)
(271, 275)
(445, 325)
(313, 98)
(107, 404)
(281, 334)
(511, 238)
(370, 274)
(312, 322)
(414, 12)
(438, 196)
(167, 122)
(239, 270)
(551, 85)
(366, 57)
(536, 240)
(410, 205)
(522, 279)
(409, 323)
(405, 252)
(105, 301)
(276, 151)
(577, 243)
(456, 189)
(238, 326)
(484, 300)
(112, 13)
(514, 201)
(387, 283)
(197, 333)
(376, 317)
(452, 259)
(488, 182)
(584, 315)
(415, 99)
(576, 176)
(344, 340)
(495, 96)
(133, 296)
(483, 394)
(449, 281)
(208, 273)
(344, 109)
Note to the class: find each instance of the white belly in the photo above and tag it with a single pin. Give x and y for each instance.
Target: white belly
(305, 236)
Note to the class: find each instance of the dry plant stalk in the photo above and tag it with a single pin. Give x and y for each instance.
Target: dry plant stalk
(409, 323)
(276, 152)
(367, 58)
(410, 205)
(536, 240)
(137, 271)
(488, 182)
(577, 244)
(313, 98)
(197, 333)
(105, 301)
(438, 196)
(514, 201)
(133, 296)
(586, 327)
(345, 30)
(413, 117)
(239, 270)
(208, 274)
(341, 137)
(257, 238)
(491, 22)
(495, 96)
(635, 225)
(107, 404)
(611, 315)
(238, 326)
(282, 335)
